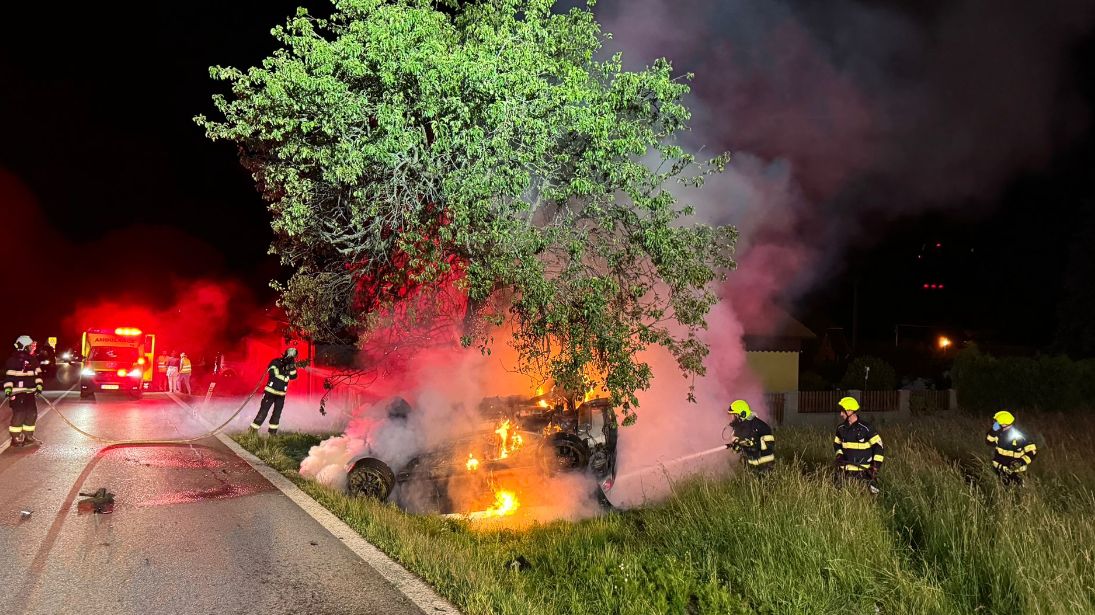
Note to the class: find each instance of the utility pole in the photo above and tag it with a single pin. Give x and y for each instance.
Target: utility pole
(855, 314)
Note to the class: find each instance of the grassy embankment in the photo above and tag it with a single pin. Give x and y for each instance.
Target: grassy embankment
(941, 538)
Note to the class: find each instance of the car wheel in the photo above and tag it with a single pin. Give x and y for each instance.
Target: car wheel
(571, 454)
(370, 478)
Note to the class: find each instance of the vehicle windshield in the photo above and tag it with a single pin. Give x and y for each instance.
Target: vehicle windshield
(118, 354)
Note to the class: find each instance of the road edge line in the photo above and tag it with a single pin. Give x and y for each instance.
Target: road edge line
(5, 443)
(405, 581)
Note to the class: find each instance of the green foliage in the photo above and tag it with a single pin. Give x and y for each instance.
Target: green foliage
(813, 381)
(942, 538)
(404, 147)
(881, 377)
(987, 384)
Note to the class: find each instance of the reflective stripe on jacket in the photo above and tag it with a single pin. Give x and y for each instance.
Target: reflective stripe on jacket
(1014, 451)
(280, 372)
(858, 447)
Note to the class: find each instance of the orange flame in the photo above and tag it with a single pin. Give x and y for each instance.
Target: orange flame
(543, 403)
(510, 440)
(505, 504)
(472, 463)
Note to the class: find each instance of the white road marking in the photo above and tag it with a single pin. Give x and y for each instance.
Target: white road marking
(6, 442)
(414, 588)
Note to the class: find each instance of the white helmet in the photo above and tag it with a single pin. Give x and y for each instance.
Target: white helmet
(23, 342)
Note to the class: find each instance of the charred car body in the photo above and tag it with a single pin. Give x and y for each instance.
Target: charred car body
(519, 442)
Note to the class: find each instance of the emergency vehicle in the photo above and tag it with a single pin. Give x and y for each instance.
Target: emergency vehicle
(117, 360)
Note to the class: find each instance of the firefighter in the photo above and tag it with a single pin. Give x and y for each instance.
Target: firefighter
(280, 372)
(22, 381)
(753, 438)
(858, 447)
(1013, 449)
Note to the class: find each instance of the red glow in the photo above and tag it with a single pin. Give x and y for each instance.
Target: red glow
(940, 287)
(926, 286)
(939, 245)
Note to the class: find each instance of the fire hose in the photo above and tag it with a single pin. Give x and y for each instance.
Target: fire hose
(150, 441)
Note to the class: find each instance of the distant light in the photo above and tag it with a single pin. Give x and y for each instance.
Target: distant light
(939, 245)
(944, 342)
(940, 287)
(926, 286)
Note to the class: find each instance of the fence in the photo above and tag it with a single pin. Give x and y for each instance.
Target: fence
(818, 401)
(775, 403)
(929, 401)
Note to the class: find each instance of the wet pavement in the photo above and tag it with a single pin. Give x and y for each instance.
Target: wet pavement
(194, 530)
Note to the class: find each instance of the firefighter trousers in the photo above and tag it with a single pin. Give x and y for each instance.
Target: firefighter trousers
(269, 400)
(24, 413)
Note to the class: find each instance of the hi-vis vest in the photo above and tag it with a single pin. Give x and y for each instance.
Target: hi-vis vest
(185, 367)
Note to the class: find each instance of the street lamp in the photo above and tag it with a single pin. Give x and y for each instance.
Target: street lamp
(944, 342)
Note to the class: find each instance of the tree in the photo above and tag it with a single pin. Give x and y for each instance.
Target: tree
(408, 147)
(869, 373)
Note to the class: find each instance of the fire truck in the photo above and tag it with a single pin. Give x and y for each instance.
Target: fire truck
(118, 359)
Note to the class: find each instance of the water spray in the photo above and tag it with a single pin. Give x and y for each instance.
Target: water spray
(664, 464)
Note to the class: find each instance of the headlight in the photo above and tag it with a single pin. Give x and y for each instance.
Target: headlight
(87, 371)
(67, 356)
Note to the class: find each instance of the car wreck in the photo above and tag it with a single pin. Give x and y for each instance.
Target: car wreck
(516, 443)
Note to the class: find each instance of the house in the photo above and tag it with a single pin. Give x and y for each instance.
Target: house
(772, 351)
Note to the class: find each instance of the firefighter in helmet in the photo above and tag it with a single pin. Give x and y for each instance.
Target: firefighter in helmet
(280, 372)
(753, 438)
(858, 446)
(1014, 451)
(22, 381)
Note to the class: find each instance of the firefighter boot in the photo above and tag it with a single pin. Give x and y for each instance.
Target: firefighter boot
(29, 439)
(16, 440)
(273, 431)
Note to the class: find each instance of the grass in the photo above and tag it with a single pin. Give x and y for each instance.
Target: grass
(943, 537)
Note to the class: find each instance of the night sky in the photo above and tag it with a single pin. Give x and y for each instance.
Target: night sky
(108, 188)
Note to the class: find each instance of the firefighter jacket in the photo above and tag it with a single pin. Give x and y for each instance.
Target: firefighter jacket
(22, 373)
(281, 371)
(858, 447)
(753, 439)
(1014, 450)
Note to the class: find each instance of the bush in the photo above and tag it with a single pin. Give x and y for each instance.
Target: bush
(813, 381)
(882, 375)
(986, 383)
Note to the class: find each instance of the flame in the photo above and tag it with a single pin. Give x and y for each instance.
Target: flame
(472, 463)
(539, 391)
(505, 504)
(543, 403)
(590, 394)
(510, 439)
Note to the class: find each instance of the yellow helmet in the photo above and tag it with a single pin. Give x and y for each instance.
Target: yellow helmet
(849, 404)
(741, 408)
(1003, 417)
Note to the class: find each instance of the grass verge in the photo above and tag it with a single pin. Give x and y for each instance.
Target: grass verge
(942, 538)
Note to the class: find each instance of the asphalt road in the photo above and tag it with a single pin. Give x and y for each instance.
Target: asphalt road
(195, 529)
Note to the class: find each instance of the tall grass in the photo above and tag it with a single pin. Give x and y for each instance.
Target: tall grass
(943, 537)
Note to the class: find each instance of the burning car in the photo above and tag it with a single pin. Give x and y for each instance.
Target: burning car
(516, 444)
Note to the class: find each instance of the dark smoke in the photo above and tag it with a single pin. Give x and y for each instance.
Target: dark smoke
(848, 115)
